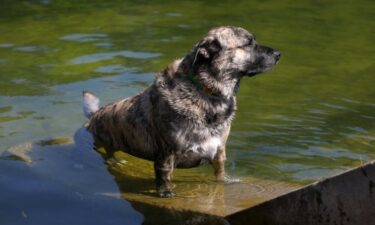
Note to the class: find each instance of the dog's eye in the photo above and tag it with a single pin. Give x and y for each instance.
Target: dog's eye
(216, 43)
(248, 44)
(251, 41)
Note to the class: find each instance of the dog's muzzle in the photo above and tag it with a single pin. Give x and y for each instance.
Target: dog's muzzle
(277, 55)
(267, 60)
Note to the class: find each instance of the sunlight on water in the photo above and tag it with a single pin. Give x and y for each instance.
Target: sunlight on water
(110, 55)
(313, 116)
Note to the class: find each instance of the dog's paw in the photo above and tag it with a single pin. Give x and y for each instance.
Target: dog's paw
(166, 194)
(231, 180)
(228, 180)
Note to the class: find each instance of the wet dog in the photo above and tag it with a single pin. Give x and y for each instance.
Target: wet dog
(183, 119)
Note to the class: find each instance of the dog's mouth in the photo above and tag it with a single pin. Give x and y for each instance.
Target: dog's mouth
(252, 73)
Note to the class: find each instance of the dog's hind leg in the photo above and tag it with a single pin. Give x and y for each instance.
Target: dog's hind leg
(164, 167)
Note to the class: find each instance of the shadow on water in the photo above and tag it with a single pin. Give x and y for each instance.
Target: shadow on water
(160, 215)
(47, 183)
(52, 180)
(55, 182)
(200, 199)
(311, 117)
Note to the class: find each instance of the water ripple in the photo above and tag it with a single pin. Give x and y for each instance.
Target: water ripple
(113, 69)
(31, 49)
(91, 58)
(84, 37)
(6, 45)
(338, 107)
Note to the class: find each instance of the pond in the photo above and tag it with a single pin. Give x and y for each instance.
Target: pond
(311, 117)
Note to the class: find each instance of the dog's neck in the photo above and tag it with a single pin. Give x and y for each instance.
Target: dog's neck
(200, 78)
(197, 82)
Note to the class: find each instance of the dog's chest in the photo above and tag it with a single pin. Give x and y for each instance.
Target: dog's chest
(199, 143)
(207, 148)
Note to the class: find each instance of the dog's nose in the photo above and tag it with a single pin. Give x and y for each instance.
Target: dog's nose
(277, 55)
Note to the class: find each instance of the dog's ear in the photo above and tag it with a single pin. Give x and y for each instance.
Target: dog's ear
(208, 47)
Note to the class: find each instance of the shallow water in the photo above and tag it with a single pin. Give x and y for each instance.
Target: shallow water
(311, 117)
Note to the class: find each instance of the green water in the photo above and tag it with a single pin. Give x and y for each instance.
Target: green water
(311, 117)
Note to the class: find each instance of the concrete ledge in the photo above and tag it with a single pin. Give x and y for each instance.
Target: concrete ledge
(345, 199)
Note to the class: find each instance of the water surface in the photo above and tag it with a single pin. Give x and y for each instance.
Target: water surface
(313, 116)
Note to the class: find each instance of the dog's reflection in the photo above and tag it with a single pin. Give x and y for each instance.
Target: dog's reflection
(199, 199)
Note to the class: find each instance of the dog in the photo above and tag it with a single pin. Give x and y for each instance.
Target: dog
(183, 118)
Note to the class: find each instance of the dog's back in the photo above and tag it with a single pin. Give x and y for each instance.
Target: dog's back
(123, 125)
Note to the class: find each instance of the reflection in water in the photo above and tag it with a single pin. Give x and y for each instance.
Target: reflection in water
(113, 69)
(91, 58)
(61, 174)
(311, 117)
(31, 49)
(198, 194)
(155, 215)
(6, 45)
(84, 37)
(54, 184)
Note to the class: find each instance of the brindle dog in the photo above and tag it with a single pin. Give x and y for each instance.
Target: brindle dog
(183, 119)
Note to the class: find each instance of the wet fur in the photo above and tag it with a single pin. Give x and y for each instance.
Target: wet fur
(175, 123)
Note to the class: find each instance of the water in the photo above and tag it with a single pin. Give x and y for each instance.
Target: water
(313, 116)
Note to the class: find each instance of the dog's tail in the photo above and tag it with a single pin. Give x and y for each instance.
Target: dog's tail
(90, 103)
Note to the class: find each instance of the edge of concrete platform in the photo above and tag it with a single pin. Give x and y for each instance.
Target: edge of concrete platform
(344, 199)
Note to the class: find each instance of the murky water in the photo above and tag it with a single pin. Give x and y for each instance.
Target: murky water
(311, 117)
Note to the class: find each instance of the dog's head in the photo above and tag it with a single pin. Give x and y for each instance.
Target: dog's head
(233, 51)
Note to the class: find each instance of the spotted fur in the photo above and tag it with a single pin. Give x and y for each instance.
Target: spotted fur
(173, 122)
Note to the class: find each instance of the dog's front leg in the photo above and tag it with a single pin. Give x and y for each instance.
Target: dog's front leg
(164, 166)
(219, 166)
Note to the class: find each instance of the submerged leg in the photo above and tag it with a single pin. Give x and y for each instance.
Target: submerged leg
(163, 170)
(219, 164)
(219, 167)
